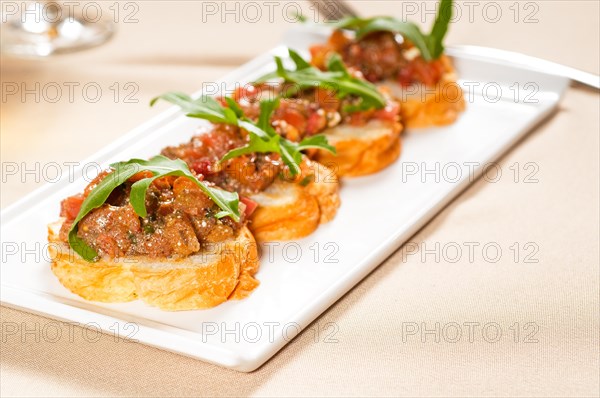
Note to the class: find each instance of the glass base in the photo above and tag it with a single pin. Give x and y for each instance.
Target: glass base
(31, 35)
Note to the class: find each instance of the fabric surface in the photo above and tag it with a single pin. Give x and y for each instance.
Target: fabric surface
(418, 325)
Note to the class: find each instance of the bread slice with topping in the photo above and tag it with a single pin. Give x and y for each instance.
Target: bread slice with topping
(425, 86)
(219, 272)
(285, 207)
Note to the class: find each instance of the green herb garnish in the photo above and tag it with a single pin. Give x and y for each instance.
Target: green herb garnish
(159, 166)
(430, 45)
(336, 78)
(307, 180)
(435, 39)
(263, 137)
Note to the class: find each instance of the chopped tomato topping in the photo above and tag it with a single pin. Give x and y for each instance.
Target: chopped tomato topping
(141, 175)
(182, 184)
(293, 117)
(69, 208)
(405, 77)
(327, 99)
(418, 70)
(360, 118)
(248, 93)
(203, 167)
(164, 182)
(338, 40)
(318, 55)
(221, 101)
(218, 142)
(315, 123)
(389, 113)
(250, 205)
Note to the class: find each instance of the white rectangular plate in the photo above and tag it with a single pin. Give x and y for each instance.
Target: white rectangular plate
(297, 284)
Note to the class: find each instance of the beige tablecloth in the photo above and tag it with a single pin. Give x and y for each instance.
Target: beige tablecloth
(396, 332)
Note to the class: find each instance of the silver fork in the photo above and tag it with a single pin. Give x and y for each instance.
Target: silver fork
(333, 10)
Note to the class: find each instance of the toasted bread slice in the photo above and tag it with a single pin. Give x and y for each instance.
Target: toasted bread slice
(362, 150)
(291, 210)
(221, 272)
(426, 107)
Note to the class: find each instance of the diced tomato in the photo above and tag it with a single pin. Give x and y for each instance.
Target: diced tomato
(250, 205)
(338, 40)
(327, 99)
(183, 184)
(141, 175)
(69, 208)
(315, 123)
(424, 73)
(389, 113)
(293, 117)
(221, 101)
(315, 50)
(318, 55)
(405, 77)
(164, 182)
(360, 118)
(202, 167)
(218, 142)
(248, 93)
(428, 73)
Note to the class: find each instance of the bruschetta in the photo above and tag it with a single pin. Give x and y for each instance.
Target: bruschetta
(157, 234)
(395, 54)
(360, 121)
(286, 201)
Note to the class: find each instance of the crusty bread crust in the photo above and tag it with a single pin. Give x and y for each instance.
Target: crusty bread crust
(286, 211)
(362, 150)
(325, 188)
(421, 107)
(290, 210)
(221, 272)
(426, 107)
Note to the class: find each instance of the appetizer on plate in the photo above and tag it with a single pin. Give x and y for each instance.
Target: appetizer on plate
(151, 230)
(287, 194)
(398, 55)
(178, 231)
(360, 121)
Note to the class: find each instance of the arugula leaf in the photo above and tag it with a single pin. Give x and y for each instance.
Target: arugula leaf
(336, 78)
(256, 144)
(409, 30)
(430, 45)
(318, 141)
(440, 28)
(299, 61)
(266, 110)
(262, 136)
(272, 142)
(202, 108)
(239, 112)
(159, 166)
